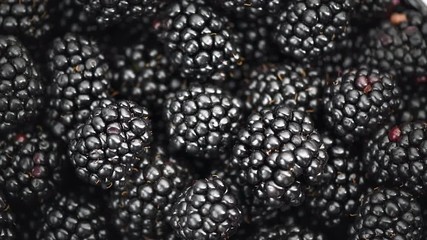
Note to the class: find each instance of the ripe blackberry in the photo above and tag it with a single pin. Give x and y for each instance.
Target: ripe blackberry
(206, 210)
(7, 221)
(21, 88)
(414, 103)
(397, 155)
(141, 208)
(277, 84)
(287, 233)
(279, 154)
(360, 101)
(31, 165)
(342, 184)
(202, 120)
(111, 141)
(199, 42)
(388, 214)
(72, 216)
(307, 29)
(80, 75)
(252, 8)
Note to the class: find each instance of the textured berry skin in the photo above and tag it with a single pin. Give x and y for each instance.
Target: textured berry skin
(7, 221)
(280, 232)
(31, 165)
(142, 206)
(307, 29)
(398, 155)
(359, 101)
(206, 210)
(279, 154)
(112, 140)
(72, 216)
(388, 214)
(21, 88)
(199, 42)
(80, 76)
(202, 120)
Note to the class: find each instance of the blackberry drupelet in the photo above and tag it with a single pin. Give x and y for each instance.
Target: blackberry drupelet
(398, 155)
(206, 210)
(307, 29)
(80, 75)
(201, 43)
(202, 120)
(7, 220)
(279, 154)
(388, 214)
(140, 209)
(111, 142)
(31, 165)
(283, 232)
(359, 101)
(21, 87)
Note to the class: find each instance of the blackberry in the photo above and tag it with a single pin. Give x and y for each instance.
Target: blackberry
(287, 233)
(307, 29)
(279, 154)
(7, 220)
(111, 141)
(142, 206)
(31, 166)
(80, 75)
(277, 84)
(202, 120)
(414, 103)
(360, 101)
(252, 8)
(201, 43)
(206, 210)
(72, 216)
(388, 214)
(397, 154)
(21, 88)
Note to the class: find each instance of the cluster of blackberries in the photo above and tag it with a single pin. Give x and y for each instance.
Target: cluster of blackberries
(213, 120)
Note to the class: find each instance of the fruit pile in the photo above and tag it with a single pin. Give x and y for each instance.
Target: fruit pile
(213, 119)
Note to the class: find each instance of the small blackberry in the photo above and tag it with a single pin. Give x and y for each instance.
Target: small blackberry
(307, 29)
(206, 210)
(388, 214)
(202, 120)
(279, 154)
(142, 206)
(199, 42)
(111, 141)
(287, 233)
(7, 221)
(80, 76)
(21, 88)
(360, 101)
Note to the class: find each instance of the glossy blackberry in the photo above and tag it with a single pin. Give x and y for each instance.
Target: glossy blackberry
(142, 206)
(26, 18)
(287, 233)
(253, 8)
(202, 120)
(342, 184)
(111, 142)
(80, 75)
(307, 29)
(359, 101)
(21, 87)
(397, 154)
(388, 214)
(414, 103)
(7, 220)
(277, 84)
(279, 154)
(31, 165)
(206, 210)
(198, 41)
(72, 216)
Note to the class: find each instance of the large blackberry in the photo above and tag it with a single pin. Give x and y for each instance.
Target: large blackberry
(307, 29)
(284, 232)
(202, 120)
(21, 88)
(200, 42)
(388, 214)
(31, 165)
(206, 210)
(7, 220)
(80, 75)
(279, 154)
(359, 101)
(111, 142)
(142, 206)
